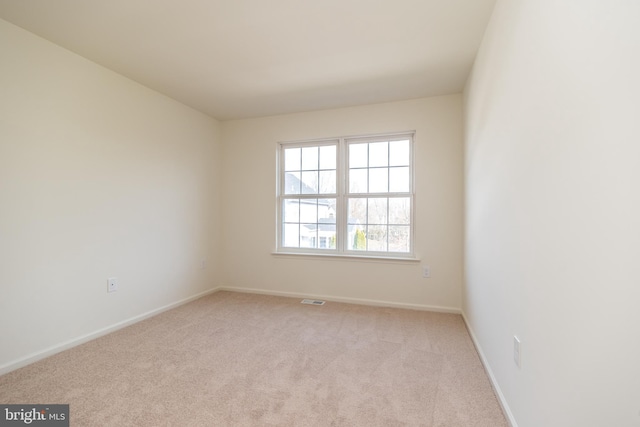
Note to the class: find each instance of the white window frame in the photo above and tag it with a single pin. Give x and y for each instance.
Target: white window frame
(342, 195)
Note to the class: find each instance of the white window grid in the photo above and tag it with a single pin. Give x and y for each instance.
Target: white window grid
(342, 194)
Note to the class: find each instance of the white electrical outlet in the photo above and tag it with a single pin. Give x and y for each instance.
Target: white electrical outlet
(516, 350)
(112, 284)
(426, 271)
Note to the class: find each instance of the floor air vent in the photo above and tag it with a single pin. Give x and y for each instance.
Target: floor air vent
(312, 301)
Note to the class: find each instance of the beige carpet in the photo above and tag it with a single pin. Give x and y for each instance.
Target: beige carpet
(232, 359)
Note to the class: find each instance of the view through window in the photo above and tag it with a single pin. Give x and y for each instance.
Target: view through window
(346, 196)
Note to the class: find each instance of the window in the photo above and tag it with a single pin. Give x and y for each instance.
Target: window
(346, 196)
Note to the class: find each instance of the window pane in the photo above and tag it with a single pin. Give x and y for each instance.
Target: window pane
(357, 211)
(357, 239)
(308, 235)
(399, 210)
(399, 153)
(328, 157)
(333, 241)
(292, 159)
(399, 179)
(290, 235)
(328, 181)
(309, 210)
(377, 238)
(399, 238)
(326, 210)
(310, 182)
(291, 211)
(327, 236)
(378, 180)
(358, 181)
(378, 154)
(358, 155)
(310, 158)
(377, 213)
(292, 183)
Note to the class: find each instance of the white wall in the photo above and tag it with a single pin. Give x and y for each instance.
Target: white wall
(553, 209)
(99, 177)
(249, 206)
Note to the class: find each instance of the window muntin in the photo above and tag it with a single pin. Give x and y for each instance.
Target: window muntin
(385, 221)
(308, 223)
(310, 170)
(380, 167)
(347, 196)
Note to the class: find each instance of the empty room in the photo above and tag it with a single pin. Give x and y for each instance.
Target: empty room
(337, 213)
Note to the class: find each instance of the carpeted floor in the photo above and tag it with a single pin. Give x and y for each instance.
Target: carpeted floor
(233, 359)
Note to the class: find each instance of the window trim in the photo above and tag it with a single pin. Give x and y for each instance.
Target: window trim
(342, 196)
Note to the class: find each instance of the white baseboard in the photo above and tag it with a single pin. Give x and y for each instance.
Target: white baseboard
(359, 301)
(501, 399)
(34, 357)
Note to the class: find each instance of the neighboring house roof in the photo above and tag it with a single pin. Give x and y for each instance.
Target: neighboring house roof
(292, 183)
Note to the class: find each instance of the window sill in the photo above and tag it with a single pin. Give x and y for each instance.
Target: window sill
(347, 257)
